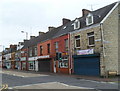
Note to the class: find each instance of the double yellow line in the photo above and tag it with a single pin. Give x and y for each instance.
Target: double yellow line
(4, 86)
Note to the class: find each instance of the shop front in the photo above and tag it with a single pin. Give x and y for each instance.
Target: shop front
(23, 63)
(62, 66)
(44, 63)
(32, 63)
(17, 63)
(8, 64)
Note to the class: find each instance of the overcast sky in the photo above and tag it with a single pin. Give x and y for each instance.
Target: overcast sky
(33, 16)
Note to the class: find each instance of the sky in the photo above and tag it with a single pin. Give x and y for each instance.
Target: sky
(32, 16)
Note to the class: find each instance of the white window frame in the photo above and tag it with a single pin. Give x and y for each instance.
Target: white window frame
(35, 50)
(32, 64)
(76, 42)
(89, 37)
(56, 46)
(76, 22)
(87, 19)
(30, 53)
(66, 44)
(41, 50)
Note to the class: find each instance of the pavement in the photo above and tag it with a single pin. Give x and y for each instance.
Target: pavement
(36, 74)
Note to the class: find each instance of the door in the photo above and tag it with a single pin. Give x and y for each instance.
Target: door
(87, 66)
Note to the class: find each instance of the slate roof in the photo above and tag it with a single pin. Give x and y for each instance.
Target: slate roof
(41, 38)
(98, 16)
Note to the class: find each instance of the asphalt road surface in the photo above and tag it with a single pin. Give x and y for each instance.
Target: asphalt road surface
(22, 80)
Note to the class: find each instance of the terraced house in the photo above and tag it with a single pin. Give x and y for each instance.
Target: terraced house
(87, 45)
(94, 43)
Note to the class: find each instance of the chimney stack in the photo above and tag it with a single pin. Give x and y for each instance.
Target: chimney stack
(85, 12)
(31, 37)
(65, 21)
(51, 28)
(25, 40)
(40, 33)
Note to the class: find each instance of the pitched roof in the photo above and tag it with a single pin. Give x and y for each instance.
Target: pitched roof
(98, 16)
(41, 38)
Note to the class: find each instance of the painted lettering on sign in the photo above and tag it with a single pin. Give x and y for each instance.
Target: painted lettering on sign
(83, 52)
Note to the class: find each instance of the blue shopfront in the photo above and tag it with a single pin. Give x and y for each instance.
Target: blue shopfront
(87, 64)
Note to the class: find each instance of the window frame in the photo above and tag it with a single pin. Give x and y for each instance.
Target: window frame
(87, 19)
(88, 36)
(76, 42)
(64, 60)
(76, 22)
(41, 50)
(35, 51)
(56, 46)
(48, 48)
(30, 52)
(66, 44)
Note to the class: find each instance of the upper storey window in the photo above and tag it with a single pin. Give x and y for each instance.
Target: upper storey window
(76, 24)
(89, 19)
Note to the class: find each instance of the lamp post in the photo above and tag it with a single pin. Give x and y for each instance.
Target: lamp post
(25, 33)
(3, 47)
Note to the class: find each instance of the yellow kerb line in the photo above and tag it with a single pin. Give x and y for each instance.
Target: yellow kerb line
(4, 86)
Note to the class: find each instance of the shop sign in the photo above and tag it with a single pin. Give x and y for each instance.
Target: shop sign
(47, 56)
(23, 58)
(83, 52)
(32, 58)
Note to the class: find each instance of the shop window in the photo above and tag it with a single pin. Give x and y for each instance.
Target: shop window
(31, 65)
(77, 41)
(64, 62)
(91, 40)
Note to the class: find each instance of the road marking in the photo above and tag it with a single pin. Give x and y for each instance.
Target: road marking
(50, 83)
(113, 82)
(76, 86)
(15, 75)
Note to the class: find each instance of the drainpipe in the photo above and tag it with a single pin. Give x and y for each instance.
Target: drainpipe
(103, 48)
(70, 54)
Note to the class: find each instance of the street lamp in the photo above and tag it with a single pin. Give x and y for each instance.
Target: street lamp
(26, 34)
(3, 47)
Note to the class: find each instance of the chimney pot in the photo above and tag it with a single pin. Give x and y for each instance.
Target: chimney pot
(40, 33)
(31, 37)
(51, 28)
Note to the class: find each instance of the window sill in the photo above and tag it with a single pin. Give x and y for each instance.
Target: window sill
(90, 46)
(64, 67)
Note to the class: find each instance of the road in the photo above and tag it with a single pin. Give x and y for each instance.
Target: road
(22, 80)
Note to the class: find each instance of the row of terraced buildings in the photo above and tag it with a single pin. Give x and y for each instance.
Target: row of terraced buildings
(87, 45)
